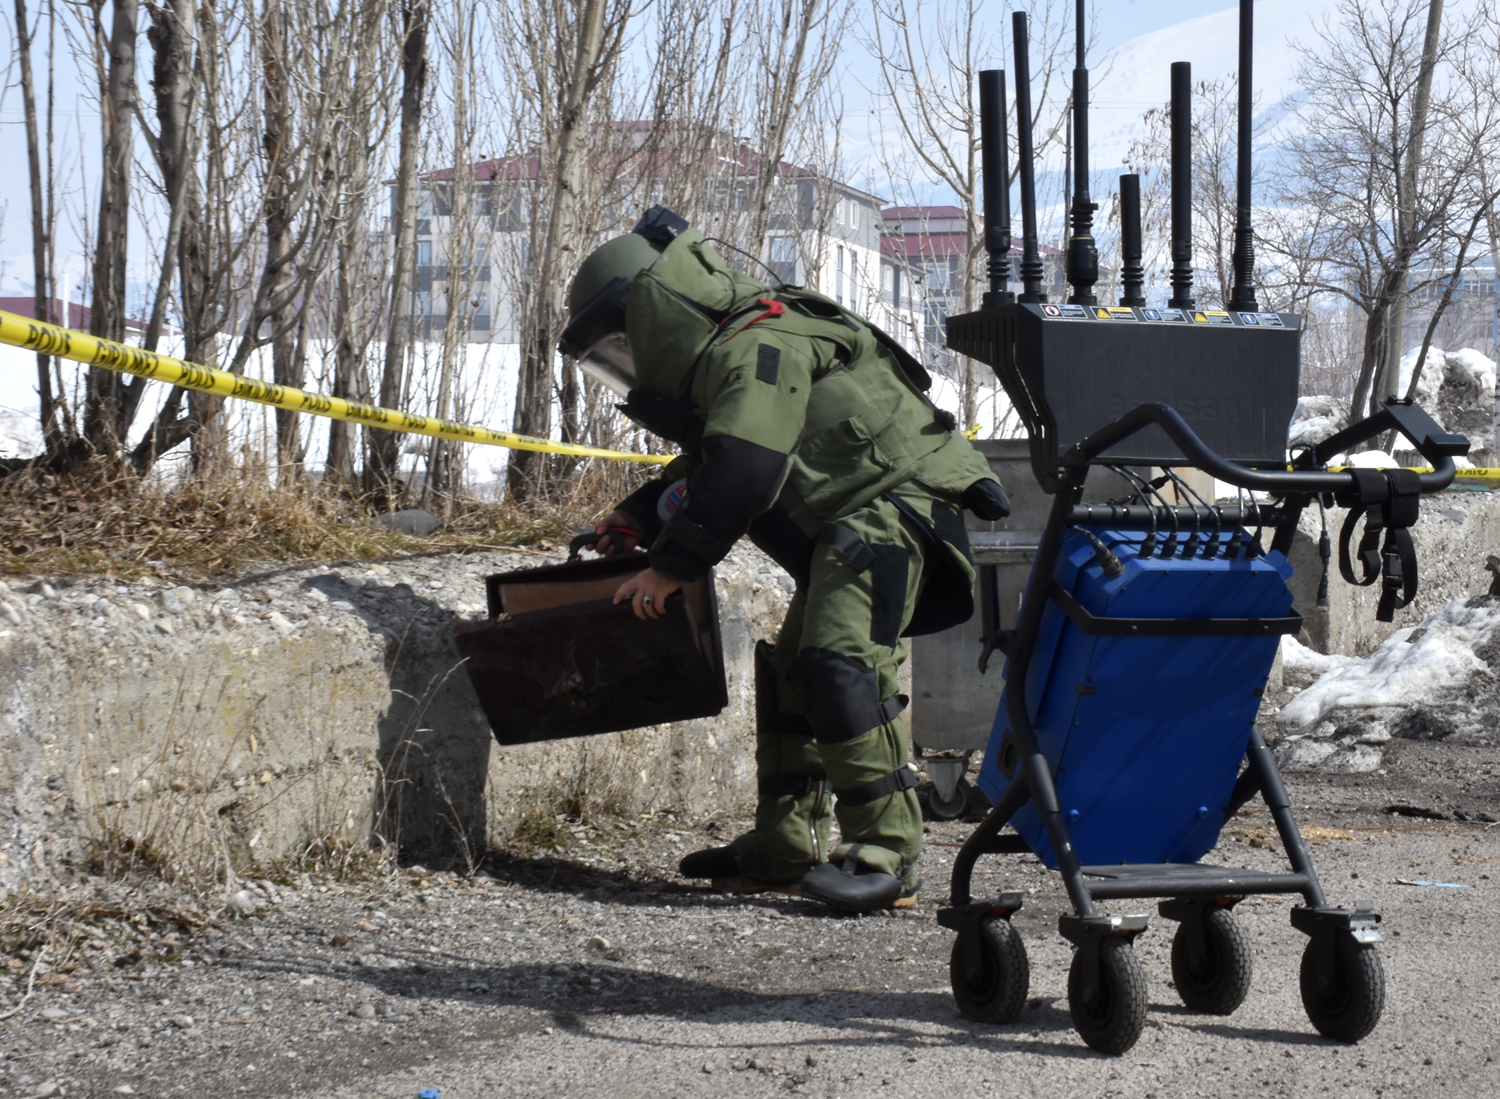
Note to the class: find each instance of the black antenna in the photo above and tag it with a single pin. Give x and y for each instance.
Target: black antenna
(1083, 254)
(1242, 298)
(1182, 187)
(1032, 271)
(1133, 274)
(994, 151)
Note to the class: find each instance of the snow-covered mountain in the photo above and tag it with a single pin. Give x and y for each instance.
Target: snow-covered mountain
(1137, 75)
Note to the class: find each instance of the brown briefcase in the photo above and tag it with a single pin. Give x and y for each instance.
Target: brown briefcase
(556, 658)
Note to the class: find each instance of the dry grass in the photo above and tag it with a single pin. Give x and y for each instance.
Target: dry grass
(103, 521)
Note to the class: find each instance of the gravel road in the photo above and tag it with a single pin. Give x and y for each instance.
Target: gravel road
(591, 971)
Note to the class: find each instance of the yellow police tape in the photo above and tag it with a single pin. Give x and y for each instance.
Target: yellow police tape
(80, 347)
(1475, 476)
(1478, 473)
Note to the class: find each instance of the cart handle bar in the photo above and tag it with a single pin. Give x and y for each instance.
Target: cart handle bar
(1434, 444)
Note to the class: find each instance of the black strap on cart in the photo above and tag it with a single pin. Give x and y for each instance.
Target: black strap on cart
(1389, 501)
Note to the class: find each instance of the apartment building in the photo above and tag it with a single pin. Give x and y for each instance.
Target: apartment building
(822, 233)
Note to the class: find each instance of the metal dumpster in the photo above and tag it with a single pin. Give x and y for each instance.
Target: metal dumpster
(953, 705)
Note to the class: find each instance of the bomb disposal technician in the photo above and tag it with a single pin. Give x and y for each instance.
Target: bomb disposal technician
(808, 429)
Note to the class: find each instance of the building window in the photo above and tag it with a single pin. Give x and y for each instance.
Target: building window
(838, 275)
(853, 279)
(784, 259)
(424, 253)
(890, 288)
(853, 214)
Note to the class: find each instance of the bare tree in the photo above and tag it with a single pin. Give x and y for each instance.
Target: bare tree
(457, 33)
(563, 64)
(354, 309)
(173, 37)
(1353, 163)
(1406, 215)
(797, 44)
(930, 58)
(41, 229)
(106, 389)
(385, 447)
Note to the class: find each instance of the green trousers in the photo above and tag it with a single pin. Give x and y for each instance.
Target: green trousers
(829, 738)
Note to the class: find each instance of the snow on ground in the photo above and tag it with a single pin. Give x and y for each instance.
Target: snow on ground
(1450, 367)
(1316, 419)
(486, 396)
(1298, 659)
(1430, 681)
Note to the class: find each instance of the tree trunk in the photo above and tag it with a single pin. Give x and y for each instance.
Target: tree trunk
(102, 426)
(785, 97)
(172, 36)
(1406, 214)
(1492, 223)
(385, 446)
(437, 486)
(534, 389)
(51, 431)
(276, 142)
(349, 318)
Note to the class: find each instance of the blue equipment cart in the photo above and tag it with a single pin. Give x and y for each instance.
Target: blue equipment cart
(1144, 734)
(1147, 630)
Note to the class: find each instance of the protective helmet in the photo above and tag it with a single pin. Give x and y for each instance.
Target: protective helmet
(595, 334)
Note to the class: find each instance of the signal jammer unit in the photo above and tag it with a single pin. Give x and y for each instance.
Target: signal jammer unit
(1147, 631)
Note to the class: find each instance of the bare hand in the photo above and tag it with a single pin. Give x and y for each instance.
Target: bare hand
(616, 522)
(647, 593)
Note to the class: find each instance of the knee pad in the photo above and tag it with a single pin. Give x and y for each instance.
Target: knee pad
(841, 695)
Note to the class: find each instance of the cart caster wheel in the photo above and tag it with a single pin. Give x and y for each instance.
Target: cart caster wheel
(998, 992)
(1111, 1020)
(954, 807)
(1347, 1008)
(1223, 981)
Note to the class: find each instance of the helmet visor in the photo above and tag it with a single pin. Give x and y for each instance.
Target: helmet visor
(610, 363)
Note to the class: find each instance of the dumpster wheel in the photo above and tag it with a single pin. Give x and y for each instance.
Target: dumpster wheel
(953, 808)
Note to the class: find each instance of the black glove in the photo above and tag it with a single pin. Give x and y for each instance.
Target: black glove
(986, 499)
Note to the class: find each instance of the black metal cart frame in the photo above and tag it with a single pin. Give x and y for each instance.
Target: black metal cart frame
(1191, 892)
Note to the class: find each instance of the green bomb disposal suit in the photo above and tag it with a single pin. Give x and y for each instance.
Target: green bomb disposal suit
(807, 429)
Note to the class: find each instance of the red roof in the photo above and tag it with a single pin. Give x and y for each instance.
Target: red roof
(930, 213)
(917, 247)
(78, 314)
(529, 167)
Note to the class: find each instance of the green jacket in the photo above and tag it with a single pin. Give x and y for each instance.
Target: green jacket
(792, 413)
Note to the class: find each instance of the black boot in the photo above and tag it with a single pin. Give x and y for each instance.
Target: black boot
(729, 874)
(857, 889)
(711, 862)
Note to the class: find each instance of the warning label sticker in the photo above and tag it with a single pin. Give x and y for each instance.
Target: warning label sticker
(1211, 316)
(1114, 313)
(1171, 316)
(1262, 320)
(1067, 312)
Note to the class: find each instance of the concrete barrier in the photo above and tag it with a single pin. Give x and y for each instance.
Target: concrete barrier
(220, 729)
